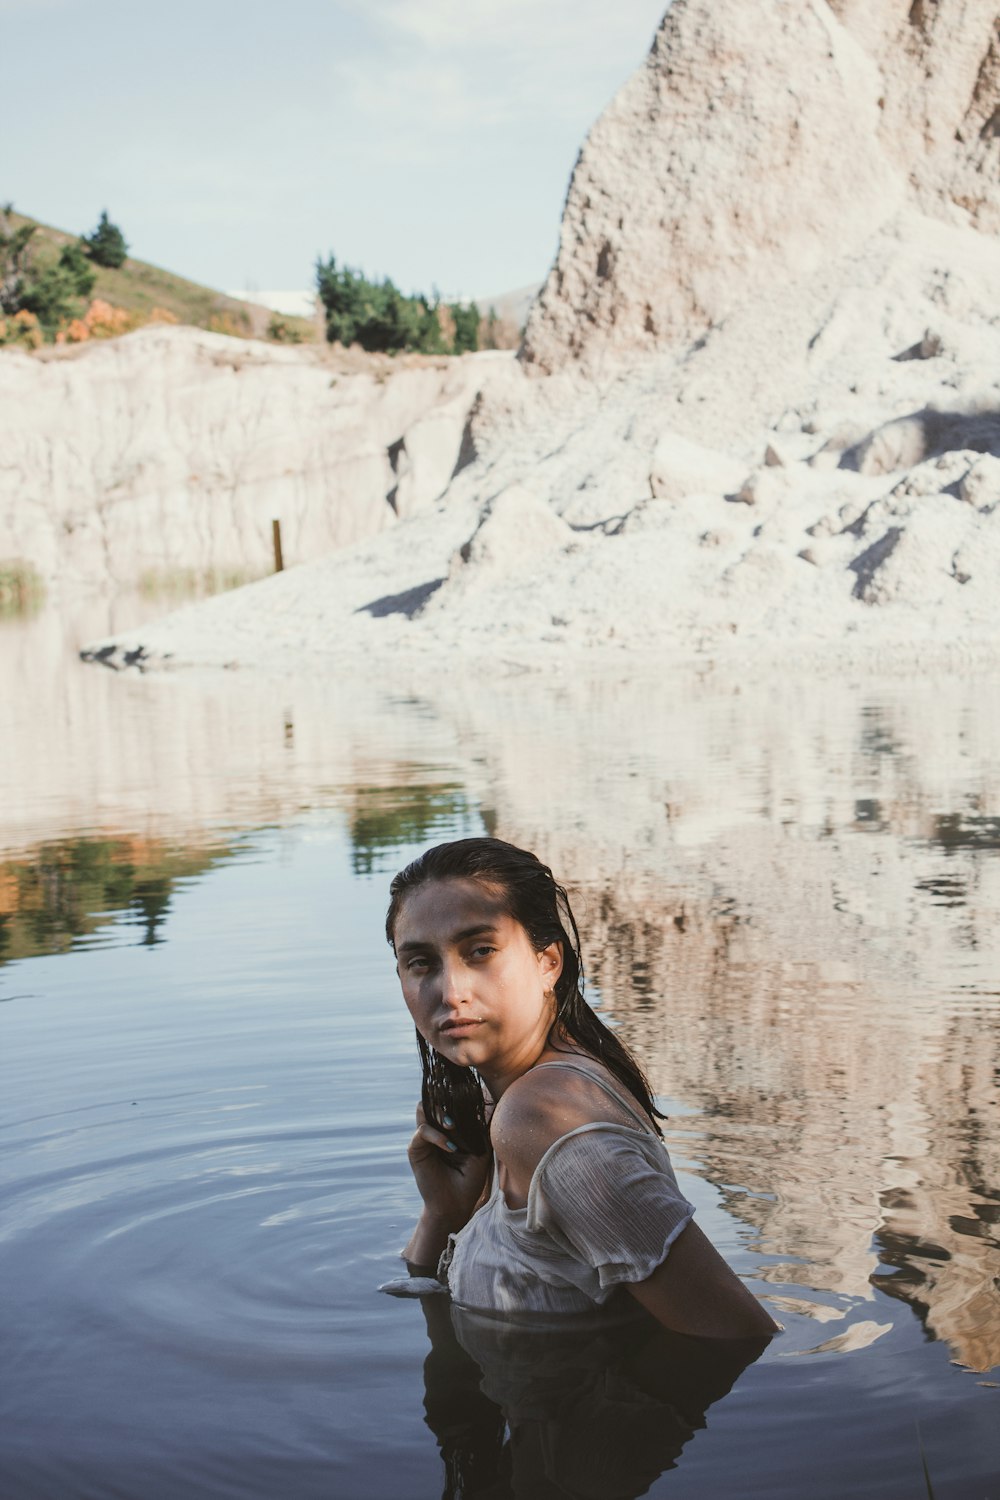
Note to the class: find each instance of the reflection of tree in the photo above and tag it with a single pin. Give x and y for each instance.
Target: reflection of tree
(385, 819)
(69, 888)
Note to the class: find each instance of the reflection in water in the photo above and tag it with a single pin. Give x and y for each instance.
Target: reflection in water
(849, 1126)
(799, 929)
(69, 888)
(789, 894)
(592, 1411)
(384, 819)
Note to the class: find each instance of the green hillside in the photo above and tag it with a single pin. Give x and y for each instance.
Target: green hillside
(139, 288)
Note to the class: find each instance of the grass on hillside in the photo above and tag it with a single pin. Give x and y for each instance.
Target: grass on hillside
(139, 288)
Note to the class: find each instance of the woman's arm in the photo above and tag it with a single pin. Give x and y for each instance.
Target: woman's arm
(451, 1190)
(694, 1291)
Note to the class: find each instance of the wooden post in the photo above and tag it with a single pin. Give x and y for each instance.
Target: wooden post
(279, 564)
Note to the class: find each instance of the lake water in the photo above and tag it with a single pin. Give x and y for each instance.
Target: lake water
(789, 894)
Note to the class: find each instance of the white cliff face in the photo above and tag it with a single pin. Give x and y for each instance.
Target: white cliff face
(939, 62)
(760, 144)
(717, 168)
(174, 448)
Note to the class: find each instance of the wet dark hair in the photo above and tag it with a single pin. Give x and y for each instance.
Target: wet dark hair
(530, 894)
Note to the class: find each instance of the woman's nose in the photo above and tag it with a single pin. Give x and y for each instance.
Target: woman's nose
(454, 983)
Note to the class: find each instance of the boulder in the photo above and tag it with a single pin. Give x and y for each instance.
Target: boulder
(515, 529)
(981, 485)
(681, 467)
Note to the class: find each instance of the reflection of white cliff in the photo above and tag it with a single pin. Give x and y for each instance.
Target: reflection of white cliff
(788, 897)
(790, 904)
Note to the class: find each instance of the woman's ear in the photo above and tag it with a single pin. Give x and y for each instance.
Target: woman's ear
(550, 961)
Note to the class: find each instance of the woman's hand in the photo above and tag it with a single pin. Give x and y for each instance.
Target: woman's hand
(451, 1188)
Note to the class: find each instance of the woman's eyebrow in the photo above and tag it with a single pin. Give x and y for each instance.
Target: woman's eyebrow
(481, 929)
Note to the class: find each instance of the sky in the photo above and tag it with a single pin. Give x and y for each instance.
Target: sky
(427, 140)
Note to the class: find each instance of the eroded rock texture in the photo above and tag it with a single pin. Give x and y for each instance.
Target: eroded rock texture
(173, 449)
(759, 144)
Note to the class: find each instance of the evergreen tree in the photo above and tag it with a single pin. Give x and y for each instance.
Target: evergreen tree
(50, 292)
(466, 316)
(106, 246)
(51, 295)
(379, 317)
(73, 260)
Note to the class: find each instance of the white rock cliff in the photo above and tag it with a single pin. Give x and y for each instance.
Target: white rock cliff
(760, 143)
(172, 449)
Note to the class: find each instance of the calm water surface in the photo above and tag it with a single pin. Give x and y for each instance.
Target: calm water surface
(790, 900)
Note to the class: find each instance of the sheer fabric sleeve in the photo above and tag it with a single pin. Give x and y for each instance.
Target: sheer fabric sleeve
(609, 1197)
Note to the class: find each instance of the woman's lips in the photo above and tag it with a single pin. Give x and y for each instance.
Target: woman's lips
(459, 1028)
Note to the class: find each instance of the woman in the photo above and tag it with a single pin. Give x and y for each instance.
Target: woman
(537, 1152)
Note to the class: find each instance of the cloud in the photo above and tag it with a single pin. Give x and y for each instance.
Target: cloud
(575, 26)
(449, 64)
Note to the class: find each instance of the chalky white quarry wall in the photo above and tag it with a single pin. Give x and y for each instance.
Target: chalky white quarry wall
(173, 449)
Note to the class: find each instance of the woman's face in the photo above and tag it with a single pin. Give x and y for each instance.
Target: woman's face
(478, 992)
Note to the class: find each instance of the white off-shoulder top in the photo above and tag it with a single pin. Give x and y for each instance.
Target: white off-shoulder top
(603, 1209)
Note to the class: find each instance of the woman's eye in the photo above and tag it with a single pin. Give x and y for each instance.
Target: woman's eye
(483, 950)
(416, 965)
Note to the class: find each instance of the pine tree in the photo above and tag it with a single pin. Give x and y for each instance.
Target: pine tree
(73, 260)
(466, 316)
(106, 246)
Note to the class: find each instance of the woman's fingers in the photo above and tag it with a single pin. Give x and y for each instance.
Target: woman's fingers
(427, 1136)
(434, 1135)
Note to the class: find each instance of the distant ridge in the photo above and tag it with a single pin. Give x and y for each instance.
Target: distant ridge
(140, 287)
(512, 306)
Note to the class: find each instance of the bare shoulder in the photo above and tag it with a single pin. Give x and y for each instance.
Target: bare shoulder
(541, 1107)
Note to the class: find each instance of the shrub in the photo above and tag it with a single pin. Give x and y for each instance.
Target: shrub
(106, 245)
(100, 321)
(283, 332)
(107, 322)
(22, 330)
(183, 583)
(21, 587)
(236, 325)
